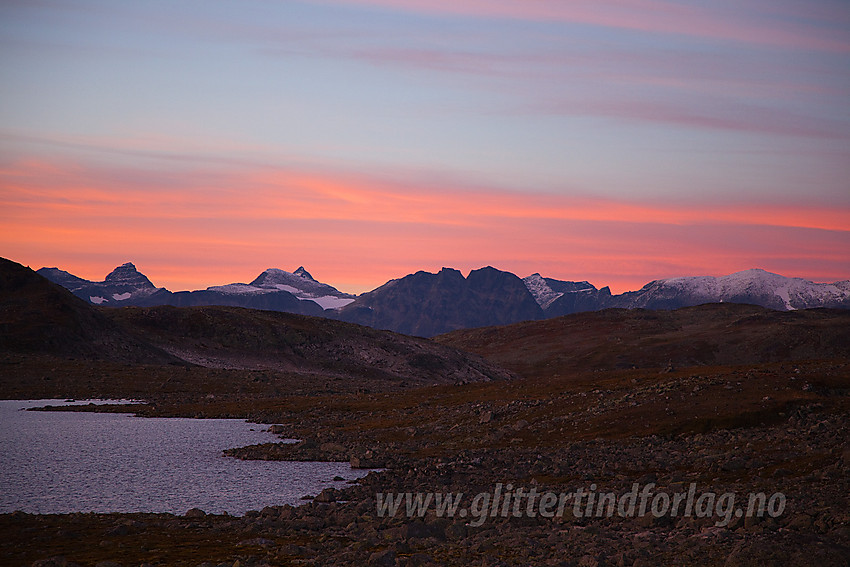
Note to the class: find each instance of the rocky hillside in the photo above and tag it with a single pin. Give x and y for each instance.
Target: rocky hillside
(236, 338)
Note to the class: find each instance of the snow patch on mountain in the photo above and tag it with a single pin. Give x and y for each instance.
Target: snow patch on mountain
(543, 294)
(332, 302)
(547, 290)
(239, 289)
(303, 286)
(298, 283)
(752, 286)
(324, 301)
(784, 294)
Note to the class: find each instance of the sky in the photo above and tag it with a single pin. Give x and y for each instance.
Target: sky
(616, 142)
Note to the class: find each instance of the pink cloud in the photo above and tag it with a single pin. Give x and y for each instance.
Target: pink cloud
(212, 226)
(717, 22)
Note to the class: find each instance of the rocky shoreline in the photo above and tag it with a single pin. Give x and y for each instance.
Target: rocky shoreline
(806, 458)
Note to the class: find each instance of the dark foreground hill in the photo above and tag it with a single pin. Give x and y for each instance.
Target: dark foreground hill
(712, 334)
(40, 317)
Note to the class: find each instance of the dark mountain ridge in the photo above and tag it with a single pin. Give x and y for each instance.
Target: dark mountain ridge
(426, 304)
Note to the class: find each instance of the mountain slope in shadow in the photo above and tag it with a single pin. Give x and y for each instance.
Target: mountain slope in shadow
(719, 333)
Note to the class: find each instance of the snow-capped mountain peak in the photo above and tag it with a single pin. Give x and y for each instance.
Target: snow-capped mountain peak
(547, 290)
(755, 286)
(275, 276)
(124, 285)
(300, 284)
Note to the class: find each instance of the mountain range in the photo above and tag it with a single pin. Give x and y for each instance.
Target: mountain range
(427, 304)
(273, 290)
(40, 320)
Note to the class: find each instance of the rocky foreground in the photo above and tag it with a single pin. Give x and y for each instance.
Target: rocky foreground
(770, 429)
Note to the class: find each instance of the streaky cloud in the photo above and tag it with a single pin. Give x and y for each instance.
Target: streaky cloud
(716, 21)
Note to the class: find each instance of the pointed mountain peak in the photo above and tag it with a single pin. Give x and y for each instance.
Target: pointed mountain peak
(127, 274)
(301, 272)
(125, 268)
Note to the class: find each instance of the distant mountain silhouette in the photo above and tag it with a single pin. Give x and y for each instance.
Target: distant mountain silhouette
(427, 304)
(273, 290)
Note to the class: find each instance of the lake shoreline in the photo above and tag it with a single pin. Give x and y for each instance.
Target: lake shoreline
(112, 461)
(342, 526)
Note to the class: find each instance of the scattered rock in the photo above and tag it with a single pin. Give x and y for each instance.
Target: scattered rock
(366, 463)
(386, 558)
(326, 495)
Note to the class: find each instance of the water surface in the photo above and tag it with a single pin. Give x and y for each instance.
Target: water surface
(62, 462)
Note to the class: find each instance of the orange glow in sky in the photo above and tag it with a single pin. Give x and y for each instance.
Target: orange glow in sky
(356, 233)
